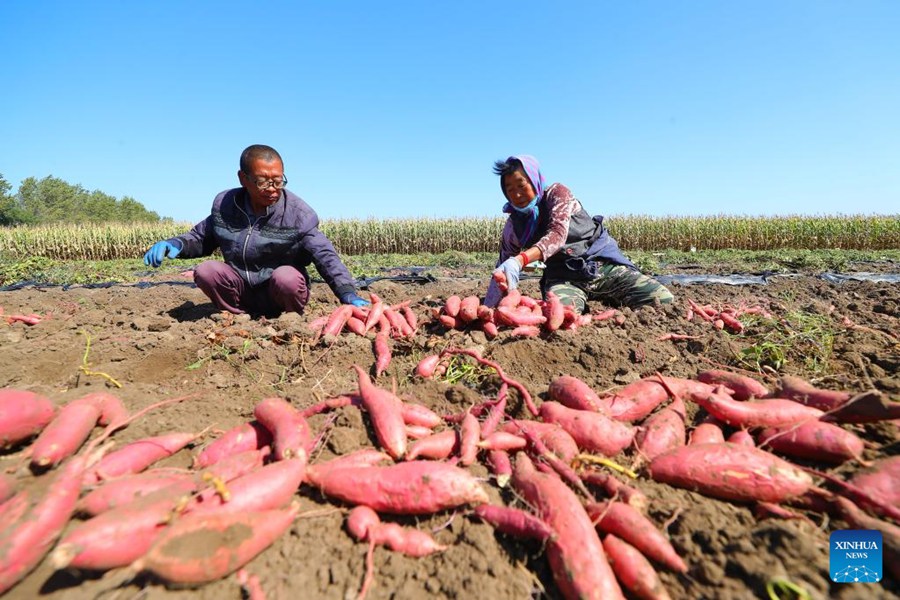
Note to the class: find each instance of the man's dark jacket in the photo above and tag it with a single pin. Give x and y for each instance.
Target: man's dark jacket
(288, 234)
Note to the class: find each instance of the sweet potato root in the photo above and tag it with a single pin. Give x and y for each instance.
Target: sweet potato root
(513, 521)
(633, 570)
(414, 487)
(202, 548)
(22, 415)
(385, 412)
(773, 412)
(574, 393)
(814, 440)
(626, 522)
(290, 432)
(730, 472)
(743, 387)
(592, 431)
(364, 525)
(62, 437)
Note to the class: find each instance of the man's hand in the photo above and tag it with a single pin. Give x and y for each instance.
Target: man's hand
(507, 274)
(158, 252)
(352, 298)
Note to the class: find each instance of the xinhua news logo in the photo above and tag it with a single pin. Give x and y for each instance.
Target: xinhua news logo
(855, 556)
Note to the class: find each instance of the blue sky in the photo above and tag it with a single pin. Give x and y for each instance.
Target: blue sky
(398, 109)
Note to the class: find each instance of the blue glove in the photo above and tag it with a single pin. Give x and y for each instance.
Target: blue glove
(158, 252)
(511, 268)
(352, 298)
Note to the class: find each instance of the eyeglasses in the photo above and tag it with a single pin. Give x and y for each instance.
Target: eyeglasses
(262, 184)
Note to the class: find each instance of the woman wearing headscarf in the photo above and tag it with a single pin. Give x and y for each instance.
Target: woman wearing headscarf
(548, 224)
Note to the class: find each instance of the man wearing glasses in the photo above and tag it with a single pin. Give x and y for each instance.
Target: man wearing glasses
(268, 236)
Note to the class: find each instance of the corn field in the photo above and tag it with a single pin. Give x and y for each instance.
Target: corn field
(472, 234)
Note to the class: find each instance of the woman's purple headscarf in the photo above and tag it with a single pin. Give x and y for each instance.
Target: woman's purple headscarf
(526, 223)
(532, 170)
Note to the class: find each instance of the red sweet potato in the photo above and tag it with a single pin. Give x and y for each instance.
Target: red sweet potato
(626, 522)
(633, 570)
(743, 387)
(414, 487)
(515, 318)
(385, 412)
(490, 330)
(137, 456)
(615, 489)
(574, 550)
(513, 521)
(24, 544)
(382, 353)
(22, 415)
(289, 429)
(269, 487)
(202, 548)
(799, 390)
(12, 510)
(511, 299)
(125, 490)
(364, 524)
(636, 400)
(244, 437)
(557, 439)
(111, 408)
(336, 322)
(742, 437)
(501, 440)
(416, 414)
(663, 431)
(437, 446)
(882, 481)
(814, 440)
(574, 393)
(119, 536)
(592, 431)
(553, 310)
(773, 412)
(356, 326)
(425, 367)
(365, 457)
(452, 306)
(376, 311)
(707, 433)
(730, 472)
(500, 465)
(62, 437)
(469, 434)
(468, 308)
(870, 406)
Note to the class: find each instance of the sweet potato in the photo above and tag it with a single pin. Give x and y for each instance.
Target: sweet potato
(730, 472)
(574, 551)
(111, 408)
(384, 409)
(592, 431)
(137, 456)
(615, 489)
(574, 393)
(633, 570)
(743, 387)
(23, 545)
(202, 548)
(364, 524)
(269, 487)
(243, 437)
(501, 440)
(662, 431)
(468, 308)
(707, 433)
(452, 305)
(866, 407)
(814, 440)
(336, 322)
(513, 521)
(437, 446)
(22, 415)
(382, 353)
(742, 437)
(414, 487)
(882, 481)
(511, 299)
(499, 464)
(425, 367)
(289, 429)
(124, 490)
(636, 400)
(469, 434)
(515, 318)
(62, 437)
(800, 390)
(557, 439)
(116, 537)
(626, 522)
(773, 412)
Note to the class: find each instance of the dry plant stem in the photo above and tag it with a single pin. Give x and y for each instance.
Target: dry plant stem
(606, 462)
(523, 392)
(84, 363)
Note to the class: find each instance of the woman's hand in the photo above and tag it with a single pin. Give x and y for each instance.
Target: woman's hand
(507, 274)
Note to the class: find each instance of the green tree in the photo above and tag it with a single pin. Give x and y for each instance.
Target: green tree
(51, 200)
(9, 209)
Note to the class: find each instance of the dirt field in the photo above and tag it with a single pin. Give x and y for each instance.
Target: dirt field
(166, 341)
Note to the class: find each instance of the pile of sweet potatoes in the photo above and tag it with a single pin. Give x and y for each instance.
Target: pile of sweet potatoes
(721, 434)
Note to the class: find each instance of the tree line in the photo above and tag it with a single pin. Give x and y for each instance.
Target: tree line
(52, 200)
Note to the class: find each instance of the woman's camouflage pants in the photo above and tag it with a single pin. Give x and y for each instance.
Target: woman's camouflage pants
(614, 285)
